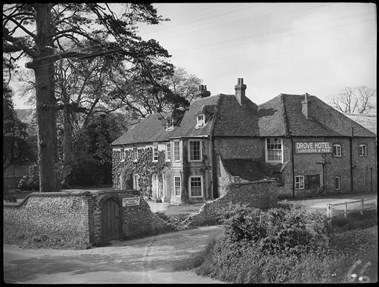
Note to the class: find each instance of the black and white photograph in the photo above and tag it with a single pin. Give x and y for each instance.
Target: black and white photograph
(190, 143)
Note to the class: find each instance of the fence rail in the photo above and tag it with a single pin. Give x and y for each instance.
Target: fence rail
(351, 206)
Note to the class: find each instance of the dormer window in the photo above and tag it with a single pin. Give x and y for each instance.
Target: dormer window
(169, 124)
(200, 121)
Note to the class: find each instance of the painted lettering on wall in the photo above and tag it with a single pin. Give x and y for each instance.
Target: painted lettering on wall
(313, 147)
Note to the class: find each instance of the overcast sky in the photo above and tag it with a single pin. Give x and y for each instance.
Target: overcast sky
(318, 48)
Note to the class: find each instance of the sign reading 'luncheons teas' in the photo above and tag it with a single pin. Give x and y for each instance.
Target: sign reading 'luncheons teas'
(313, 147)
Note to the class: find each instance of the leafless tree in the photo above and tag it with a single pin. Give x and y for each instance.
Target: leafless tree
(355, 100)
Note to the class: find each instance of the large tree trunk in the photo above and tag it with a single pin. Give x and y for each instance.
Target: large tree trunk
(46, 104)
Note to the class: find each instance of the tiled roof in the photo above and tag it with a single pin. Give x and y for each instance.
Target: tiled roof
(152, 129)
(232, 119)
(283, 116)
(366, 120)
(247, 169)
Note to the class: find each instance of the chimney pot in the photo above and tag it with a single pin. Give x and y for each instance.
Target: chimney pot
(306, 106)
(203, 92)
(240, 91)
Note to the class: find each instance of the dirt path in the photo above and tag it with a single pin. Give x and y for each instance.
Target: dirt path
(164, 258)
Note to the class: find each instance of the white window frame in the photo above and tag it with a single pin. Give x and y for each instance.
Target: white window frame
(136, 181)
(337, 150)
(267, 150)
(169, 124)
(135, 154)
(202, 186)
(122, 155)
(299, 182)
(179, 151)
(175, 186)
(168, 151)
(200, 120)
(155, 153)
(337, 178)
(201, 151)
(362, 147)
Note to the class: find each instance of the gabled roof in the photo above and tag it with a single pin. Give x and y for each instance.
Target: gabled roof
(283, 116)
(225, 117)
(152, 129)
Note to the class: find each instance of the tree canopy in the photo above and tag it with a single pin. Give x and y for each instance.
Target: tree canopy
(48, 32)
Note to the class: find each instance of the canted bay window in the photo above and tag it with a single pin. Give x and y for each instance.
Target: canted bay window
(177, 156)
(196, 186)
(168, 151)
(177, 186)
(195, 153)
(274, 150)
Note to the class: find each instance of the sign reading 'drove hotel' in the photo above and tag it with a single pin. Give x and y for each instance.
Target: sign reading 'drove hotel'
(313, 147)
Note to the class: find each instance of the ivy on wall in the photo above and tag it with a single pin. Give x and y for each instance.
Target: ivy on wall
(144, 167)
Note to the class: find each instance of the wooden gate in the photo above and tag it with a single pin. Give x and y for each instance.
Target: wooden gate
(111, 220)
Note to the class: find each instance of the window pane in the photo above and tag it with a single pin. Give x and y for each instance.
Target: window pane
(195, 152)
(196, 186)
(274, 150)
(177, 185)
(168, 151)
(176, 151)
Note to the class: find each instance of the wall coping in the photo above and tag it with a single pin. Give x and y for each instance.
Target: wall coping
(68, 193)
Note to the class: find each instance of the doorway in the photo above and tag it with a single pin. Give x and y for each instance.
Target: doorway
(111, 219)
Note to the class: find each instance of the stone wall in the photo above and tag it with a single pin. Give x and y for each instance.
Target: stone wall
(58, 216)
(74, 218)
(259, 194)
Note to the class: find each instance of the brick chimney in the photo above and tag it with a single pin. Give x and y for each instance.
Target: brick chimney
(306, 106)
(240, 92)
(203, 93)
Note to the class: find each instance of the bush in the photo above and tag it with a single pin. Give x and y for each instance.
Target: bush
(29, 183)
(292, 231)
(282, 245)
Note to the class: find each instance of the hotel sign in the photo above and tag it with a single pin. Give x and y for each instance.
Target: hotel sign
(131, 201)
(313, 147)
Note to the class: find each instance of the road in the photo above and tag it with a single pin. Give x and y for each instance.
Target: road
(165, 258)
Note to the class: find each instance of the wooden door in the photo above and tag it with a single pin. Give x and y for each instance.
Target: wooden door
(111, 219)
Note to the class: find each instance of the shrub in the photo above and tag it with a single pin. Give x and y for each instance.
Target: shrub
(29, 183)
(283, 245)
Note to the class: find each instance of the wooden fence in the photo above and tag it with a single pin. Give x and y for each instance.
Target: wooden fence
(351, 206)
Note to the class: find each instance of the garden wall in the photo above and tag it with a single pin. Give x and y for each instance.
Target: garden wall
(74, 218)
(258, 194)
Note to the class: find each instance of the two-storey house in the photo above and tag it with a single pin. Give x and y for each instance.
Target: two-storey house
(184, 156)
